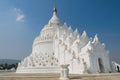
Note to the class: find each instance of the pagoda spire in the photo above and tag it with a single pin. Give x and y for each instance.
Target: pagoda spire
(55, 19)
(54, 10)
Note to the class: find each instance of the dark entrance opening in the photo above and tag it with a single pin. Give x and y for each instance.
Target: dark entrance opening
(101, 67)
(118, 69)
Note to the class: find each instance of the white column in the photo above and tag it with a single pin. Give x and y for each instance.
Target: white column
(64, 72)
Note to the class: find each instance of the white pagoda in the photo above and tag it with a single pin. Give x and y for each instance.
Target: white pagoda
(59, 44)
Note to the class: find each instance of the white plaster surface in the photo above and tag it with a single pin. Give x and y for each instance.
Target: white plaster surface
(59, 44)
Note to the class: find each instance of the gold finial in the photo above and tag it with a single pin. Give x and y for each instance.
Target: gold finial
(55, 9)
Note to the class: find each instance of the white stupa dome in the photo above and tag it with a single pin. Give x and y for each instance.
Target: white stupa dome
(54, 19)
(49, 30)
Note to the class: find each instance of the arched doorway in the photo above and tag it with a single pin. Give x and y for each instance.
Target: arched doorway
(118, 69)
(101, 67)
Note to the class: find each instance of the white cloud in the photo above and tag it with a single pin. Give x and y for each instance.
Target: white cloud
(20, 17)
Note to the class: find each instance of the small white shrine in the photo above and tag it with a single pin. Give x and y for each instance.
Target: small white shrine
(59, 44)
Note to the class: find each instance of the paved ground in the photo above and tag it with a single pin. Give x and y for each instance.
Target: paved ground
(15, 76)
(111, 76)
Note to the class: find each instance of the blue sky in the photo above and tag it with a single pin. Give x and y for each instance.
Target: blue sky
(22, 20)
